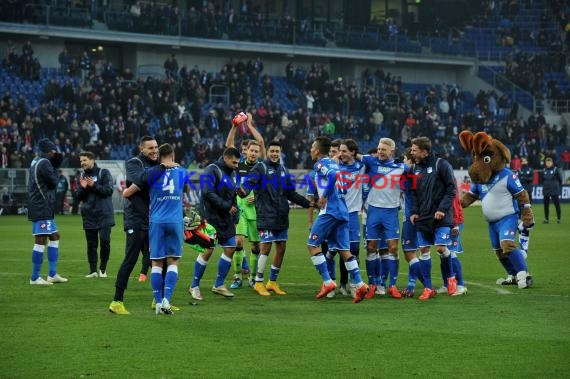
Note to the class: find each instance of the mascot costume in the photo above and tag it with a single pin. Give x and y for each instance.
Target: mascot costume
(502, 197)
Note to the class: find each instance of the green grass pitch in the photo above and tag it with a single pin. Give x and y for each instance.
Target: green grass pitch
(66, 330)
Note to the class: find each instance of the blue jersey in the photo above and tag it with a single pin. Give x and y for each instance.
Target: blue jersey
(352, 184)
(497, 196)
(407, 199)
(326, 171)
(385, 178)
(166, 192)
(312, 187)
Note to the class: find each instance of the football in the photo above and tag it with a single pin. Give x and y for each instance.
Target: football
(240, 122)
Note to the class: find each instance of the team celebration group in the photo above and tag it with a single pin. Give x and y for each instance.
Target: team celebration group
(248, 195)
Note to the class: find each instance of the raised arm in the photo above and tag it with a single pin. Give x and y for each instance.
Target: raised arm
(256, 135)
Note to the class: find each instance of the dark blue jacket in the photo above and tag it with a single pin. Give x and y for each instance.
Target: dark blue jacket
(434, 189)
(273, 188)
(97, 208)
(136, 208)
(43, 178)
(218, 197)
(551, 181)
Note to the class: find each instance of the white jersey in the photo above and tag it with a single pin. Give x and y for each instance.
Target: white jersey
(386, 181)
(349, 173)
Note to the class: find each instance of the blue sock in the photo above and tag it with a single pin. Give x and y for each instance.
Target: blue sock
(353, 271)
(425, 264)
(411, 279)
(517, 259)
(156, 283)
(52, 256)
(393, 270)
(331, 264)
(371, 264)
(224, 265)
(509, 268)
(457, 269)
(244, 264)
(170, 281)
(384, 270)
(199, 268)
(416, 269)
(37, 260)
(320, 264)
(274, 273)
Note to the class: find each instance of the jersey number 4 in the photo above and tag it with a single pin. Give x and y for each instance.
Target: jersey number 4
(168, 183)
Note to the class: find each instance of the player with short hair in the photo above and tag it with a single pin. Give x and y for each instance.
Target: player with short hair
(252, 151)
(166, 183)
(41, 201)
(382, 223)
(332, 222)
(273, 187)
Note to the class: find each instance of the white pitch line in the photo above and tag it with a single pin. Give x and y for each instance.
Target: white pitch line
(500, 291)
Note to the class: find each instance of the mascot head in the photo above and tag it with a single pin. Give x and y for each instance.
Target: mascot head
(489, 155)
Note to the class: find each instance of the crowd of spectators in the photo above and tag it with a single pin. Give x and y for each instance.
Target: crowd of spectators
(111, 108)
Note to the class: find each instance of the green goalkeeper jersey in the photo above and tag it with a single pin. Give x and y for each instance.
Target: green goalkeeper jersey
(246, 208)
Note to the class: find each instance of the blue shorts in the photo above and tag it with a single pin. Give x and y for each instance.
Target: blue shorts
(165, 239)
(227, 242)
(441, 236)
(268, 235)
(382, 223)
(353, 227)
(334, 231)
(503, 230)
(409, 236)
(381, 244)
(44, 227)
(456, 241)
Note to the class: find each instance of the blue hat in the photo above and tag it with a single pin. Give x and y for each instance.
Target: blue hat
(46, 145)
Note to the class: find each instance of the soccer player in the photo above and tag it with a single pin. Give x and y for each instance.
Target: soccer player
(432, 210)
(455, 247)
(166, 186)
(43, 178)
(332, 222)
(273, 187)
(221, 210)
(409, 234)
(352, 172)
(136, 218)
(251, 152)
(382, 223)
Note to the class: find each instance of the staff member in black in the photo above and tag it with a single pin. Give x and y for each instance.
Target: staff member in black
(551, 188)
(95, 190)
(136, 218)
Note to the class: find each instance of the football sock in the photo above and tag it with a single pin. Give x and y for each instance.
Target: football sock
(253, 261)
(329, 256)
(353, 270)
(517, 259)
(37, 260)
(199, 268)
(416, 269)
(224, 265)
(506, 262)
(244, 264)
(156, 283)
(261, 263)
(411, 279)
(274, 273)
(425, 264)
(237, 259)
(320, 264)
(457, 268)
(371, 262)
(384, 269)
(52, 256)
(170, 281)
(392, 269)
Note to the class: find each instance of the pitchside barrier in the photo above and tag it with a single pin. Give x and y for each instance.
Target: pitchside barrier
(13, 186)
